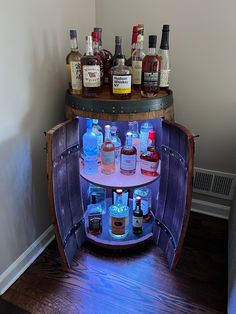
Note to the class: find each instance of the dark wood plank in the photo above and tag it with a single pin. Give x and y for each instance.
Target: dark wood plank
(137, 282)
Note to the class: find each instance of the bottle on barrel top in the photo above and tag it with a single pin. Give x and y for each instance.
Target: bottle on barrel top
(94, 216)
(133, 45)
(146, 201)
(149, 160)
(118, 217)
(73, 65)
(118, 51)
(137, 217)
(137, 59)
(90, 149)
(165, 58)
(128, 156)
(91, 77)
(107, 153)
(97, 54)
(117, 143)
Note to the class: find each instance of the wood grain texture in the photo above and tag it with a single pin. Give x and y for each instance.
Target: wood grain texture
(140, 282)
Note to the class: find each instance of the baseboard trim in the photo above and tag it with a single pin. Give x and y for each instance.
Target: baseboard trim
(211, 209)
(16, 269)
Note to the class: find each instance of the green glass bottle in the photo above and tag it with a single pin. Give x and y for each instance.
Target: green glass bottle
(138, 217)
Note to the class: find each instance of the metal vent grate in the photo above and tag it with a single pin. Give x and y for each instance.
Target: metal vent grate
(214, 183)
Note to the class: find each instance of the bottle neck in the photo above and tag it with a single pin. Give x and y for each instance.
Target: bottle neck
(107, 135)
(151, 143)
(139, 45)
(95, 46)
(152, 51)
(118, 49)
(89, 48)
(164, 41)
(128, 141)
(74, 44)
(138, 206)
(120, 61)
(119, 199)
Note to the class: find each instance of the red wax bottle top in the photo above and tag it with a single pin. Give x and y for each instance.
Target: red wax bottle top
(152, 135)
(135, 34)
(95, 36)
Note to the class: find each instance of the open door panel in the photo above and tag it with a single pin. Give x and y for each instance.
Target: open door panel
(64, 188)
(175, 194)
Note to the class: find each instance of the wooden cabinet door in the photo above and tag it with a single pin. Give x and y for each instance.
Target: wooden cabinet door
(64, 188)
(175, 194)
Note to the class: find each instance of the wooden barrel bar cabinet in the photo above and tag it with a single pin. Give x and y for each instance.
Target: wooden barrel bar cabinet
(68, 184)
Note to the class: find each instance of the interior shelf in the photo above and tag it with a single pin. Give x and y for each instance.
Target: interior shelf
(119, 180)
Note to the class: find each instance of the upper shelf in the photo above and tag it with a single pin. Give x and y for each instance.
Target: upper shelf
(105, 107)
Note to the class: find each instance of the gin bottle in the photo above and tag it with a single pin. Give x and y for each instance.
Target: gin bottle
(117, 143)
(107, 153)
(90, 149)
(144, 129)
(118, 217)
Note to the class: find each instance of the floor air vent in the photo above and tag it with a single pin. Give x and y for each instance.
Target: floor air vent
(214, 183)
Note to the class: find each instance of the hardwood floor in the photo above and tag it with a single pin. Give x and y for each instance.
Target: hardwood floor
(139, 282)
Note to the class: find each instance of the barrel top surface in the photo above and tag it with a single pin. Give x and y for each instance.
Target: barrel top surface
(106, 104)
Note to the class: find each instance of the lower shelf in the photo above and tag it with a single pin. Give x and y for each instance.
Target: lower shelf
(105, 240)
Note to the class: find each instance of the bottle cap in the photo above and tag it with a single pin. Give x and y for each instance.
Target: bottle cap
(95, 36)
(118, 40)
(119, 191)
(107, 128)
(129, 134)
(166, 28)
(89, 123)
(138, 200)
(152, 41)
(135, 34)
(152, 135)
(73, 34)
(97, 29)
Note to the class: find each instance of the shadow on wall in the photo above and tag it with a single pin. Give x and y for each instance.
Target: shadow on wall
(25, 209)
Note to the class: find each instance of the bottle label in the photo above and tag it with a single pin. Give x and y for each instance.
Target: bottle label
(137, 72)
(118, 225)
(150, 79)
(121, 84)
(164, 78)
(91, 76)
(75, 67)
(144, 206)
(68, 73)
(137, 222)
(107, 157)
(95, 222)
(128, 162)
(149, 165)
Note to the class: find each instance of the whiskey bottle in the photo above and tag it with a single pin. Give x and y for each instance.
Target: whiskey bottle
(97, 54)
(107, 153)
(73, 65)
(91, 77)
(118, 217)
(137, 59)
(138, 217)
(146, 201)
(94, 216)
(133, 45)
(165, 58)
(118, 51)
(106, 56)
(121, 77)
(128, 157)
(149, 160)
(151, 70)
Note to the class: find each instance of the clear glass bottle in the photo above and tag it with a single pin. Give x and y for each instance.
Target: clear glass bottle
(91, 77)
(73, 65)
(165, 58)
(133, 128)
(145, 127)
(94, 212)
(90, 149)
(117, 143)
(151, 70)
(98, 131)
(137, 217)
(137, 59)
(149, 160)
(100, 193)
(128, 157)
(121, 79)
(118, 217)
(107, 153)
(146, 201)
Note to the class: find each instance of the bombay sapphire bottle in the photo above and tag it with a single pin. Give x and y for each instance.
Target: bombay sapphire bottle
(90, 149)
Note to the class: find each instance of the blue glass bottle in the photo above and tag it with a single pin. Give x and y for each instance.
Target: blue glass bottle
(117, 143)
(144, 129)
(90, 149)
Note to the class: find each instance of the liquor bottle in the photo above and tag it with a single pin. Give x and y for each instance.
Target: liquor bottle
(98, 131)
(118, 217)
(146, 126)
(100, 193)
(97, 54)
(94, 216)
(125, 197)
(91, 78)
(137, 59)
(117, 143)
(105, 54)
(133, 45)
(121, 78)
(107, 153)
(149, 160)
(133, 128)
(118, 50)
(90, 149)
(128, 156)
(165, 58)
(138, 217)
(73, 65)
(146, 201)
(151, 70)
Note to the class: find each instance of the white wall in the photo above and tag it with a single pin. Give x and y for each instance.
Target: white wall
(203, 78)
(34, 43)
